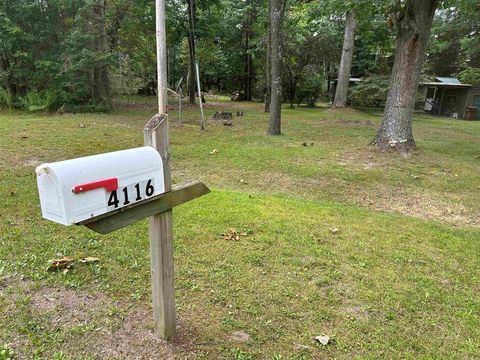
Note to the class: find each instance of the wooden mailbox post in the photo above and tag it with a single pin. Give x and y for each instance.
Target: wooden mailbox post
(161, 237)
(85, 191)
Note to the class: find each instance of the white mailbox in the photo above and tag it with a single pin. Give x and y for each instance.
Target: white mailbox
(75, 190)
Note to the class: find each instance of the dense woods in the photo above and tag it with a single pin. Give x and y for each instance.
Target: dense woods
(76, 55)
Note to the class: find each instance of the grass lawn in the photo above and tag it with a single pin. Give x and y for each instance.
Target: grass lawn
(379, 252)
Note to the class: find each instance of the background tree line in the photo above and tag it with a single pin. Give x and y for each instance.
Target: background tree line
(73, 54)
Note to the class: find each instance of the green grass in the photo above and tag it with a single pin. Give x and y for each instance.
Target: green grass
(398, 280)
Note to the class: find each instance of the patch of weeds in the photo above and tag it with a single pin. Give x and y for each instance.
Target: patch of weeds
(238, 354)
(256, 259)
(137, 295)
(6, 352)
(59, 356)
(230, 322)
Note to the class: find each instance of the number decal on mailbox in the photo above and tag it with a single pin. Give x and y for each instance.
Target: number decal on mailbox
(130, 194)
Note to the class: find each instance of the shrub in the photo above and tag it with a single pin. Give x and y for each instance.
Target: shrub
(370, 92)
(87, 108)
(5, 99)
(470, 76)
(310, 91)
(47, 100)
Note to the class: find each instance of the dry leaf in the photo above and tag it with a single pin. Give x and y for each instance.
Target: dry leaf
(231, 234)
(334, 230)
(60, 264)
(89, 259)
(324, 339)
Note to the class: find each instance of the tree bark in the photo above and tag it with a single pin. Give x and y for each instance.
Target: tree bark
(101, 80)
(341, 92)
(414, 24)
(268, 78)
(191, 48)
(276, 17)
(248, 55)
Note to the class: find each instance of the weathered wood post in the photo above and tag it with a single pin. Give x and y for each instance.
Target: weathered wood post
(126, 172)
(160, 226)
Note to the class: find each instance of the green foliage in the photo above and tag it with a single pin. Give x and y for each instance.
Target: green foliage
(47, 100)
(85, 108)
(53, 53)
(6, 352)
(310, 91)
(5, 99)
(470, 76)
(370, 92)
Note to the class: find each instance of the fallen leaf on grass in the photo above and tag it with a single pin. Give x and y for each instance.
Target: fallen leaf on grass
(324, 339)
(61, 264)
(89, 259)
(66, 263)
(233, 234)
(334, 230)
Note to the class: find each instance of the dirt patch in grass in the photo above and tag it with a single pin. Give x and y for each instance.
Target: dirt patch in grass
(240, 336)
(364, 159)
(135, 339)
(65, 307)
(416, 204)
(343, 122)
(121, 334)
(13, 282)
(32, 163)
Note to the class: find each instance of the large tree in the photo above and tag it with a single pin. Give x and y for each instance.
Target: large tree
(276, 8)
(413, 21)
(341, 92)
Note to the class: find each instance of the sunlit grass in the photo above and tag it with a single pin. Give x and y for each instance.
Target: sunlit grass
(377, 251)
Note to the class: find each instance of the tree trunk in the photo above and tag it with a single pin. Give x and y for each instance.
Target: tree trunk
(101, 81)
(341, 92)
(268, 78)
(328, 81)
(4, 68)
(248, 55)
(276, 17)
(414, 24)
(191, 48)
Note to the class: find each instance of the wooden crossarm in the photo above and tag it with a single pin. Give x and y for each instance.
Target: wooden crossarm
(120, 218)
